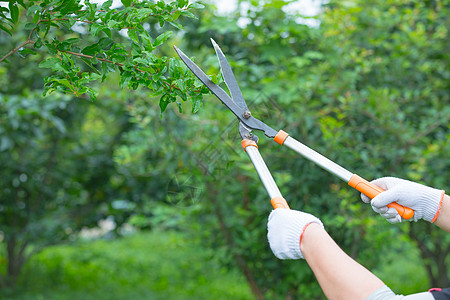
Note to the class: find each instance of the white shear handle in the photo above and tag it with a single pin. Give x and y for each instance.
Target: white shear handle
(353, 180)
(277, 199)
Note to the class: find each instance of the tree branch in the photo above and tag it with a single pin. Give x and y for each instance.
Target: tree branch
(171, 86)
(16, 49)
(28, 41)
(441, 120)
(100, 59)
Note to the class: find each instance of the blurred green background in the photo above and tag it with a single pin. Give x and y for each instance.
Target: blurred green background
(109, 199)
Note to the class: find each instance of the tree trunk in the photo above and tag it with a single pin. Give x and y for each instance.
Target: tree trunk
(15, 260)
(242, 264)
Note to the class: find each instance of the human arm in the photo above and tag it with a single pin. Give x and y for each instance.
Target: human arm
(293, 234)
(339, 276)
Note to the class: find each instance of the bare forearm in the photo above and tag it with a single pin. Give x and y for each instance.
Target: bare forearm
(339, 276)
(443, 220)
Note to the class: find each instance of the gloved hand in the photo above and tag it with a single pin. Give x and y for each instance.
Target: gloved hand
(424, 200)
(285, 228)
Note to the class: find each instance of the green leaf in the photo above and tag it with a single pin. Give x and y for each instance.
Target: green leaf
(176, 25)
(36, 17)
(92, 93)
(136, 48)
(107, 5)
(112, 23)
(30, 26)
(14, 11)
(105, 43)
(92, 10)
(132, 34)
(49, 62)
(180, 107)
(67, 6)
(182, 3)
(33, 9)
(124, 79)
(196, 5)
(107, 31)
(181, 85)
(175, 15)
(63, 82)
(51, 48)
(162, 38)
(126, 3)
(90, 50)
(72, 40)
(188, 14)
(27, 51)
(21, 3)
(94, 76)
(196, 102)
(38, 43)
(106, 68)
(95, 28)
(163, 102)
(5, 29)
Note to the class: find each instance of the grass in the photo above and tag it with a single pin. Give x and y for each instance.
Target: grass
(153, 265)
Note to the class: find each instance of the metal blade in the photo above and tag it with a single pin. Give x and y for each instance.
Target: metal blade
(230, 79)
(217, 90)
(250, 122)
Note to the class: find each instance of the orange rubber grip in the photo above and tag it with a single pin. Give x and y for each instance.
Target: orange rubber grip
(371, 190)
(245, 143)
(281, 137)
(279, 202)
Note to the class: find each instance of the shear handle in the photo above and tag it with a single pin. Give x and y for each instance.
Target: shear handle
(353, 180)
(277, 199)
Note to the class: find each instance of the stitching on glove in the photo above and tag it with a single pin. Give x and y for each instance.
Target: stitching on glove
(440, 206)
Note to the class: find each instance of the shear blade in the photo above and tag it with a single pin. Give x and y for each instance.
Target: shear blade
(217, 90)
(229, 78)
(250, 122)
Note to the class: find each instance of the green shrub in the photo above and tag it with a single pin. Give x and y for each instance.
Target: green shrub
(151, 265)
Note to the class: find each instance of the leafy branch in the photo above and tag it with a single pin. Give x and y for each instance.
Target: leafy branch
(101, 44)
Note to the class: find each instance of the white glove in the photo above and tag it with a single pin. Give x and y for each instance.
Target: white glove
(285, 228)
(424, 200)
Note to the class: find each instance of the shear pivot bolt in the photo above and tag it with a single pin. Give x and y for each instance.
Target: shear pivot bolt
(247, 114)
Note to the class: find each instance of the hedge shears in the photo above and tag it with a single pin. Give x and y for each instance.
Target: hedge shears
(248, 123)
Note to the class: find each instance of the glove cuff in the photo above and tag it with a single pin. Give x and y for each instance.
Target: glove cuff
(294, 231)
(439, 208)
(431, 204)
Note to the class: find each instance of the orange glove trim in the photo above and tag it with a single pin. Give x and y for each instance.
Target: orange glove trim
(440, 206)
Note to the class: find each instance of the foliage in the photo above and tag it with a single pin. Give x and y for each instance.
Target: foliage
(59, 174)
(369, 89)
(153, 265)
(54, 178)
(84, 43)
